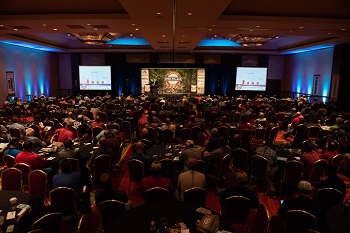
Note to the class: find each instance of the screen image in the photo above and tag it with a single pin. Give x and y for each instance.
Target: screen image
(251, 79)
(95, 78)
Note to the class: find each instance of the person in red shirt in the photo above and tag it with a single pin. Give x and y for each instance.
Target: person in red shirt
(64, 133)
(156, 180)
(308, 158)
(97, 123)
(331, 151)
(35, 161)
(244, 124)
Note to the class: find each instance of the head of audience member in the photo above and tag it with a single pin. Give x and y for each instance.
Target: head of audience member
(261, 115)
(37, 119)
(192, 164)
(241, 178)
(70, 115)
(102, 143)
(307, 146)
(14, 143)
(339, 121)
(224, 119)
(168, 121)
(189, 143)
(66, 166)
(332, 146)
(156, 169)
(68, 144)
(139, 147)
(107, 133)
(27, 145)
(222, 141)
(192, 118)
(144, 132)
(29, 132)
(105, 181)
(304, 188)
(331, 171)
(236, 139)
(69, 124)
(36, 202)
(301, 119)
(14, 119)
(214, 132)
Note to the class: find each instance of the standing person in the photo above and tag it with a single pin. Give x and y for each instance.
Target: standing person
(190, 178)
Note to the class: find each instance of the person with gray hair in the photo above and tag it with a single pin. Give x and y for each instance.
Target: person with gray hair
(37, 143)
(189, 153)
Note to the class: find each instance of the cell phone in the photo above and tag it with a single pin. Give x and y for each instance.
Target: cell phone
(281, 201)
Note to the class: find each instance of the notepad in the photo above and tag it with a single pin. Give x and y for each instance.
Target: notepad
(11, 215)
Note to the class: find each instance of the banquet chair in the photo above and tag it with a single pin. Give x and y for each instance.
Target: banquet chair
(224, 131)
(299, 221)
(136, 171)
(185, 134)
(261, 220)
(37, 182)
(153, 134)
(11, 179)
(25, 169)
(75, 164)
(259, 135)
(263, 123)
(237, 117)
(89, 224)
(240, 159)
(245, 136)
(313, 133)
(36, 129)
(317, 171)
(74, 130)
(168, 169)
(110, 210)
(273, 133)
(95, 131)
(258, 169)
(15, 132)
(9, 112)
(102, 164)
(196, 195)
(51, 124)
(307, 118)
(224, 167)
(236, 209)
(292, 174)
(103, 116)
(36, 231)
(126, 129)
(194, 133)
(300, 130)
(55, 122)
(8, 160)
(337, 161)
(201, 139)
(167, 136)
(49, 223)
(147, 143)
(328, 197)
(157, 194)
(43, 116)
(63, 200)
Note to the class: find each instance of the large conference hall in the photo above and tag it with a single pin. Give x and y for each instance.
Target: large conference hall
(175, 116)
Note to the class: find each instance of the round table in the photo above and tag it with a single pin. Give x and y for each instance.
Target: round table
(139, 218)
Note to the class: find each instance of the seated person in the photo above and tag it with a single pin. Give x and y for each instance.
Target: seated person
(190, 178)
(65, 133)
(67, 178)
(69, 151)
(224, 122)
(156, 180)
(97, 122)
(12, 148)
(34, 160)
(109, 126)
(14, 124)
(106, 192)
(242, 189)
(37, 143)
(140, 155)
(188, 153)
(331, 151)
(169, 125)
(192, 122)
(244, 124)
(332, 180)
(214, 159)
(37, 210)
(308, 157)
(145, 135)
(102, 150)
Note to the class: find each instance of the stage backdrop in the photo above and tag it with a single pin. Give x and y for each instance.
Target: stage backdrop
(173, 80)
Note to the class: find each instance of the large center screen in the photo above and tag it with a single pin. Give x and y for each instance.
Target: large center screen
(95, 78)
(251, 79)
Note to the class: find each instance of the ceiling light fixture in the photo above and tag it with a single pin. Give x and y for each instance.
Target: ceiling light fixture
(96, 38)
(251, 40)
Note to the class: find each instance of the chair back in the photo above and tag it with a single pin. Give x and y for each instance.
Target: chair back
(74, 130)
(63, 200)
(136, 170)
(201, 166)
(11, 179)
(261, 220)
(225, 165)
(88, 224)
(196, 195)
(337, 161)
(313, 133)
(37, 182)
(157, 194)
(201, 139)
(328, 197)
(236, 209)
(185, 134)
(307, 118)
(147, 143)
(102, 164)
(168, 169)
(110, 210)
(25, 169)
(49, 223)
(259, 168)
(103, 116)
(273, 133)
(194, 133)
(125, 127)
(95, 131)
(224, 131)
(240, 159)
(9, 160)
(52, 124)
(292, 173)
(167, 136)
(317, 171)
(245, 136)
(152, 133)
(259, 135)
(299, 221)
(263, 123)
(15, 132)
(75, 164)
(36, 129)
(301, 130)
(237, 117)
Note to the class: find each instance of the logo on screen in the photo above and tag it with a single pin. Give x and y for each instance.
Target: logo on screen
(173, 78)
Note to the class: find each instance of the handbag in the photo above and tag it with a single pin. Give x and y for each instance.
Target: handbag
(208, 224)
